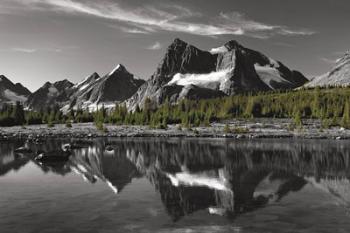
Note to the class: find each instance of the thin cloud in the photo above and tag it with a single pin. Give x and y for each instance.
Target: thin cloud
(35, 50)
(169, 18)
(133, 30)
(155, 46)
(258, 29)
(328, 60)
(24, 50)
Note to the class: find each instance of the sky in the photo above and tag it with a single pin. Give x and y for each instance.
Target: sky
(51, 40)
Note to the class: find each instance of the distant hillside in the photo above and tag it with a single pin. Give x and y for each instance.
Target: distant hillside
(11, 93)
(338, 76)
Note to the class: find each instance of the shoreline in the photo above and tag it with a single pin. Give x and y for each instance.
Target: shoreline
(257, 128)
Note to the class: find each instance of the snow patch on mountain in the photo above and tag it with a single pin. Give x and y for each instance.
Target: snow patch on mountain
(12, 96)
(201, 80)
(269, 75)
(52, 91)
(114, 70)
(84, 87)
(92, 106)
(218, 50)
(274, 63)
(82, 82)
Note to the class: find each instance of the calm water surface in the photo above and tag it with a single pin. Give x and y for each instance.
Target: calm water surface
(178, 185)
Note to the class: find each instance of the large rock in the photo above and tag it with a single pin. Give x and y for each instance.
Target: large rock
(226, 70)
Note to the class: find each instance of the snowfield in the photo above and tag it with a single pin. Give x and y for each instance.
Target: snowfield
(201, 80)
(114, 70)
(95, 106)
(10, 95)
(84, 87)
(218, 50)
(269, 75)
(53, 91)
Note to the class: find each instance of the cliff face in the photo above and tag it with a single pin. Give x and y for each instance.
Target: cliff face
(226, 70)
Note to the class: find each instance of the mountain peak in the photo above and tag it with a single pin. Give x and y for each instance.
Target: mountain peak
(47, 84)
(344, 58)
(178, 41)
(94, 74)
(178, 44)
(228, 46)
(118, 68)
(233, 44)
(4, 78)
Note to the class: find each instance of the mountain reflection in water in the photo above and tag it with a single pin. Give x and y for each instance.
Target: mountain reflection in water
(226, 178)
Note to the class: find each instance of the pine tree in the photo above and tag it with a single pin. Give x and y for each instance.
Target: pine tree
(18, 114)
(345, 122)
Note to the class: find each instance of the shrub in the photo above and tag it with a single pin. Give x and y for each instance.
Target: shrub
(68, 124)
(227, 129)
(50, 124)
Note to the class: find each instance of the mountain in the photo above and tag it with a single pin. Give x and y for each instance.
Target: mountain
(225, 70)
(10, 92)
(92, 92)
(50, 94)
(338, 76)
(116, 86)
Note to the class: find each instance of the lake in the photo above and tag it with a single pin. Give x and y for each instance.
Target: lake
(177, 185)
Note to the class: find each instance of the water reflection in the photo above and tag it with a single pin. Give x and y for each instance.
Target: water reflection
(226, 178)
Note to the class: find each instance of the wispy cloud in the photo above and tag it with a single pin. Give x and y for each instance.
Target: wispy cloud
(168, 18)
(54, 49)
(155, 46)
(328, 60)
(24, 50)
(257, 29)
(134, 30)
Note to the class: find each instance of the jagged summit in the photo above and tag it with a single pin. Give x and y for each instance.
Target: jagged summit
(228, 69)
(178, 41)
(119, 68)
(232, 44)
(90, 93)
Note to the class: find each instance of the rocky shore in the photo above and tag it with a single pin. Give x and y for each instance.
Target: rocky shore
(262, 128)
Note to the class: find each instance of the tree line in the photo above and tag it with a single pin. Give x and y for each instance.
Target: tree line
(330, 105)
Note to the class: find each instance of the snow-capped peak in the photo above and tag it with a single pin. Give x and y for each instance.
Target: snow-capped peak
(115, 69)
(274, 63)
(218, 50)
